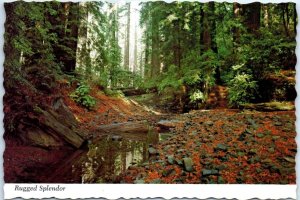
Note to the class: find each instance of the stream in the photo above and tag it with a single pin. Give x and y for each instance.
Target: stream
(104, 159)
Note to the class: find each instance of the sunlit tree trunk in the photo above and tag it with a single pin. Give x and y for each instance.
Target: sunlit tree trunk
(266, 15)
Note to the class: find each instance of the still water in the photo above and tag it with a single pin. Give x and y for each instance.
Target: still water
(106, 158)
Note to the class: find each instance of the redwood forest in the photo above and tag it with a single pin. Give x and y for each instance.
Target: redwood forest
(150, 92)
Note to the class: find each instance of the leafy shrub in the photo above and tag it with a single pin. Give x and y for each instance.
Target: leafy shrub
(82, 97)
(242, 89)
(197, 96)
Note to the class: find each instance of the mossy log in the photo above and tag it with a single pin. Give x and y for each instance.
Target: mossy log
(270, 106)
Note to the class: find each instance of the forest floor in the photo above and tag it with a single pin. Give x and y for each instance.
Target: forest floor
(205, 146)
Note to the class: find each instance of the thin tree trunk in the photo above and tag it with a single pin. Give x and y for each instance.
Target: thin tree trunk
(266, 15)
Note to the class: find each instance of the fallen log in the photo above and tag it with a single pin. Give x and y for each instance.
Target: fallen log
(269, 106)
(126, 127)
(139, 91)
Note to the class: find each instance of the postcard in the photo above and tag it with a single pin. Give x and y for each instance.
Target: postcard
(143, 99)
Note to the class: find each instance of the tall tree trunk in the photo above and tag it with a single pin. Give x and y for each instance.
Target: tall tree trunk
(284, 21)
(251, 13)
(155, 54)
(126, 50)
(66, 28)
(135, 63)
(72, 36)
(147, 53)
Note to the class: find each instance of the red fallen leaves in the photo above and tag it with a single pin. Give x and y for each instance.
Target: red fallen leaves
(256, 159)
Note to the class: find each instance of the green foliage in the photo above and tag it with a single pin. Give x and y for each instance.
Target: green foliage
(113, 93)
(197, 96)
(242, 89)
(170, 79)
(82, 97)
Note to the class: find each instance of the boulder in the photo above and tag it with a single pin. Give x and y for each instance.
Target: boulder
(188, 164)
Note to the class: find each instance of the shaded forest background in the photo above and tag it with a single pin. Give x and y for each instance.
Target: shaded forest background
(187, 49)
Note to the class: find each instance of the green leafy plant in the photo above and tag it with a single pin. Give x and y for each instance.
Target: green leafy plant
(242, 89)
(82, 97)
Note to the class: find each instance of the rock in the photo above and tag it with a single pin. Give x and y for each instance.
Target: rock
(260, 135)
(194, 133)
(171, 159)
(242, 137)
(168, 172)
(252, 152)
(156, 181)
(240, 153)
(221, 180)
(209, 123)
(180, 151)
(116, 138)
(152, 151)
(167, 124)
(290, 159)
(179, 162)
(188, 164)
(130, 120)
(275, 137)
(139, 181)
(248, 131)
(208, 172)
(221, 167)
(221, 147)
(271, 150)
(239, 179)
(278, 124)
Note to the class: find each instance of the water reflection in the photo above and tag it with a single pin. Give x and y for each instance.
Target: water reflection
(106, 158)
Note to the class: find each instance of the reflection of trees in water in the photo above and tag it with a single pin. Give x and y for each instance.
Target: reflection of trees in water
(106, 159)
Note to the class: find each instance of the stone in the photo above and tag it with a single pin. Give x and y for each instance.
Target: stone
(171, 159)
(168, 172)
(156, 181)
(252, 152)
(139, 181)
(116, 138)
(188, 164)
(260, 135)
(152, 151)
(271, 150)
(179, 162)
(209, 123)
(221, 167)
(290, 159)
(208, 172)
(221, 147)
(221, 180)
(278, 124)
(248, 131)
(275, 137)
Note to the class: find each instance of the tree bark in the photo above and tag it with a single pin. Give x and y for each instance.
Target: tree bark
(126, 49)
(251, 13)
